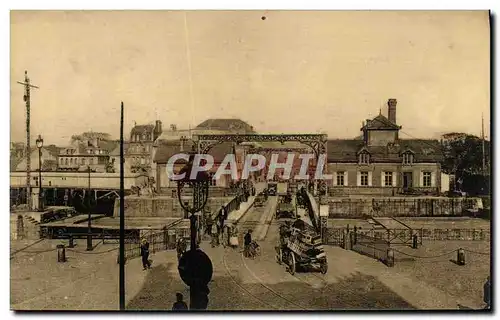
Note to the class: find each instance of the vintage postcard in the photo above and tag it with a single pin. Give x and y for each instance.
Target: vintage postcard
(250, 160)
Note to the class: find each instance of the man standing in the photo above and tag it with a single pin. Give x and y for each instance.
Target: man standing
(179, 304)
(487, 293)
(248, 240)
(214, 236)
(209, 222)
(145, 254)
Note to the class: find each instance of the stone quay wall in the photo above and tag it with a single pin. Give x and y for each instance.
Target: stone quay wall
(147, 207)
(400, 207)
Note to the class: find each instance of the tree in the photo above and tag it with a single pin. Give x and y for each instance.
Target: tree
(463, 157)
(91, 135)
(463, 154)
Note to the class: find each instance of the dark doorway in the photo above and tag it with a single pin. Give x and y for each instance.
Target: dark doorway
(407, 180)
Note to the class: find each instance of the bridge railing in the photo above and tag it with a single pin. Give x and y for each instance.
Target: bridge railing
(166, 239)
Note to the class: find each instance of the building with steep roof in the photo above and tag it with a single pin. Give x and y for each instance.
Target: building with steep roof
(140, 151)
(176, 141)
(383, 164)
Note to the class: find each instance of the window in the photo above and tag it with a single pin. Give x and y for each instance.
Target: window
(364, 178)
(340, 178)
(83, 160)
(91, 160)
(143, 161)
(143, 136)
(71, 161)
(66, 161)
(388, 179)
(427, 179)
(407, 158)
(364, 158)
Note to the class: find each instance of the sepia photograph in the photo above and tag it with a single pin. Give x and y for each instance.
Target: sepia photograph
(250, 160)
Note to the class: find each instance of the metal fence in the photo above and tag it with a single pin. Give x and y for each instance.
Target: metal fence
(335, 236)
(159, 240)
(369, 246)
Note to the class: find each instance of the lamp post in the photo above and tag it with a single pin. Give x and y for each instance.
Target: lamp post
(195, 267)
(89, 234)
(39, 144)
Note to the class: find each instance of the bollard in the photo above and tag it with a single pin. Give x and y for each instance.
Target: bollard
(71, 242)
(461, 257)
(415, 242)
(390, 258)
(61, 253)
(355, 238)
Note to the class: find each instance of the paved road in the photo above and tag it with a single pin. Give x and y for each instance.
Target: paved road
(89, 281)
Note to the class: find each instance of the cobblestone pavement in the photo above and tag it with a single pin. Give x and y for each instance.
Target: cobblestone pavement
(90, 281)
(87, 281)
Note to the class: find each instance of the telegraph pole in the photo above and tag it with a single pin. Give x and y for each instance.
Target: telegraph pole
(122, 219)
(482, 137)
(27, 89)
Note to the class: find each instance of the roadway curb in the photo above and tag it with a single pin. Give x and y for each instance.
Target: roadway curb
(235, 221)
(267, 222)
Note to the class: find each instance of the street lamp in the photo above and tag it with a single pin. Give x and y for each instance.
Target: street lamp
(89, 234)
(39, 144)
(195, 267)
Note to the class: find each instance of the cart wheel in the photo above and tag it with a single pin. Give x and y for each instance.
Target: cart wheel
(279, 256)
(292, 263)
(324, 267)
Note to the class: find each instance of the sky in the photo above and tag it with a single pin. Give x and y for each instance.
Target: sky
(294, 71)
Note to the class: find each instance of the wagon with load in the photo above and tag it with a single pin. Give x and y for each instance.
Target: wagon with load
(300, 246)
(260, 199)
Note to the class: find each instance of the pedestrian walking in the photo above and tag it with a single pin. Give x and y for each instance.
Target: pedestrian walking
(233, 239)
(487, 293)
(181, 247)
(215, 237)
(209, 222)
(146, 264)
(247, 241)
(225, 235)
(179, 304)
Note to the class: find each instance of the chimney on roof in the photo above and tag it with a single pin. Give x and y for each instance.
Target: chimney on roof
(391, 104)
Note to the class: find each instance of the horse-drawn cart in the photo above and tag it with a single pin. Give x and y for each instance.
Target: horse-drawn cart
(301, 248)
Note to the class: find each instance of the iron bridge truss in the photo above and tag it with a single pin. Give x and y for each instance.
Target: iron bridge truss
(317, 142)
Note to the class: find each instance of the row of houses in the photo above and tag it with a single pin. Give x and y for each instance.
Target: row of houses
(376, 162)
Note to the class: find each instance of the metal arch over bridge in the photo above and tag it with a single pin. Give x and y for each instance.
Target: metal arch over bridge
(317, 142)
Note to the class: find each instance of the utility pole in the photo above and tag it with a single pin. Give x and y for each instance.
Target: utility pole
(89, 211)
(122, 219)
(482, 137)
(27, 89)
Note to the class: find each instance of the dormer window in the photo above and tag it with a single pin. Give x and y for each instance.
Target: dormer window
(364, 158)
(408, 158)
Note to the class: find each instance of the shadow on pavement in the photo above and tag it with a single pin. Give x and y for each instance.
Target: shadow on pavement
(358, 292)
